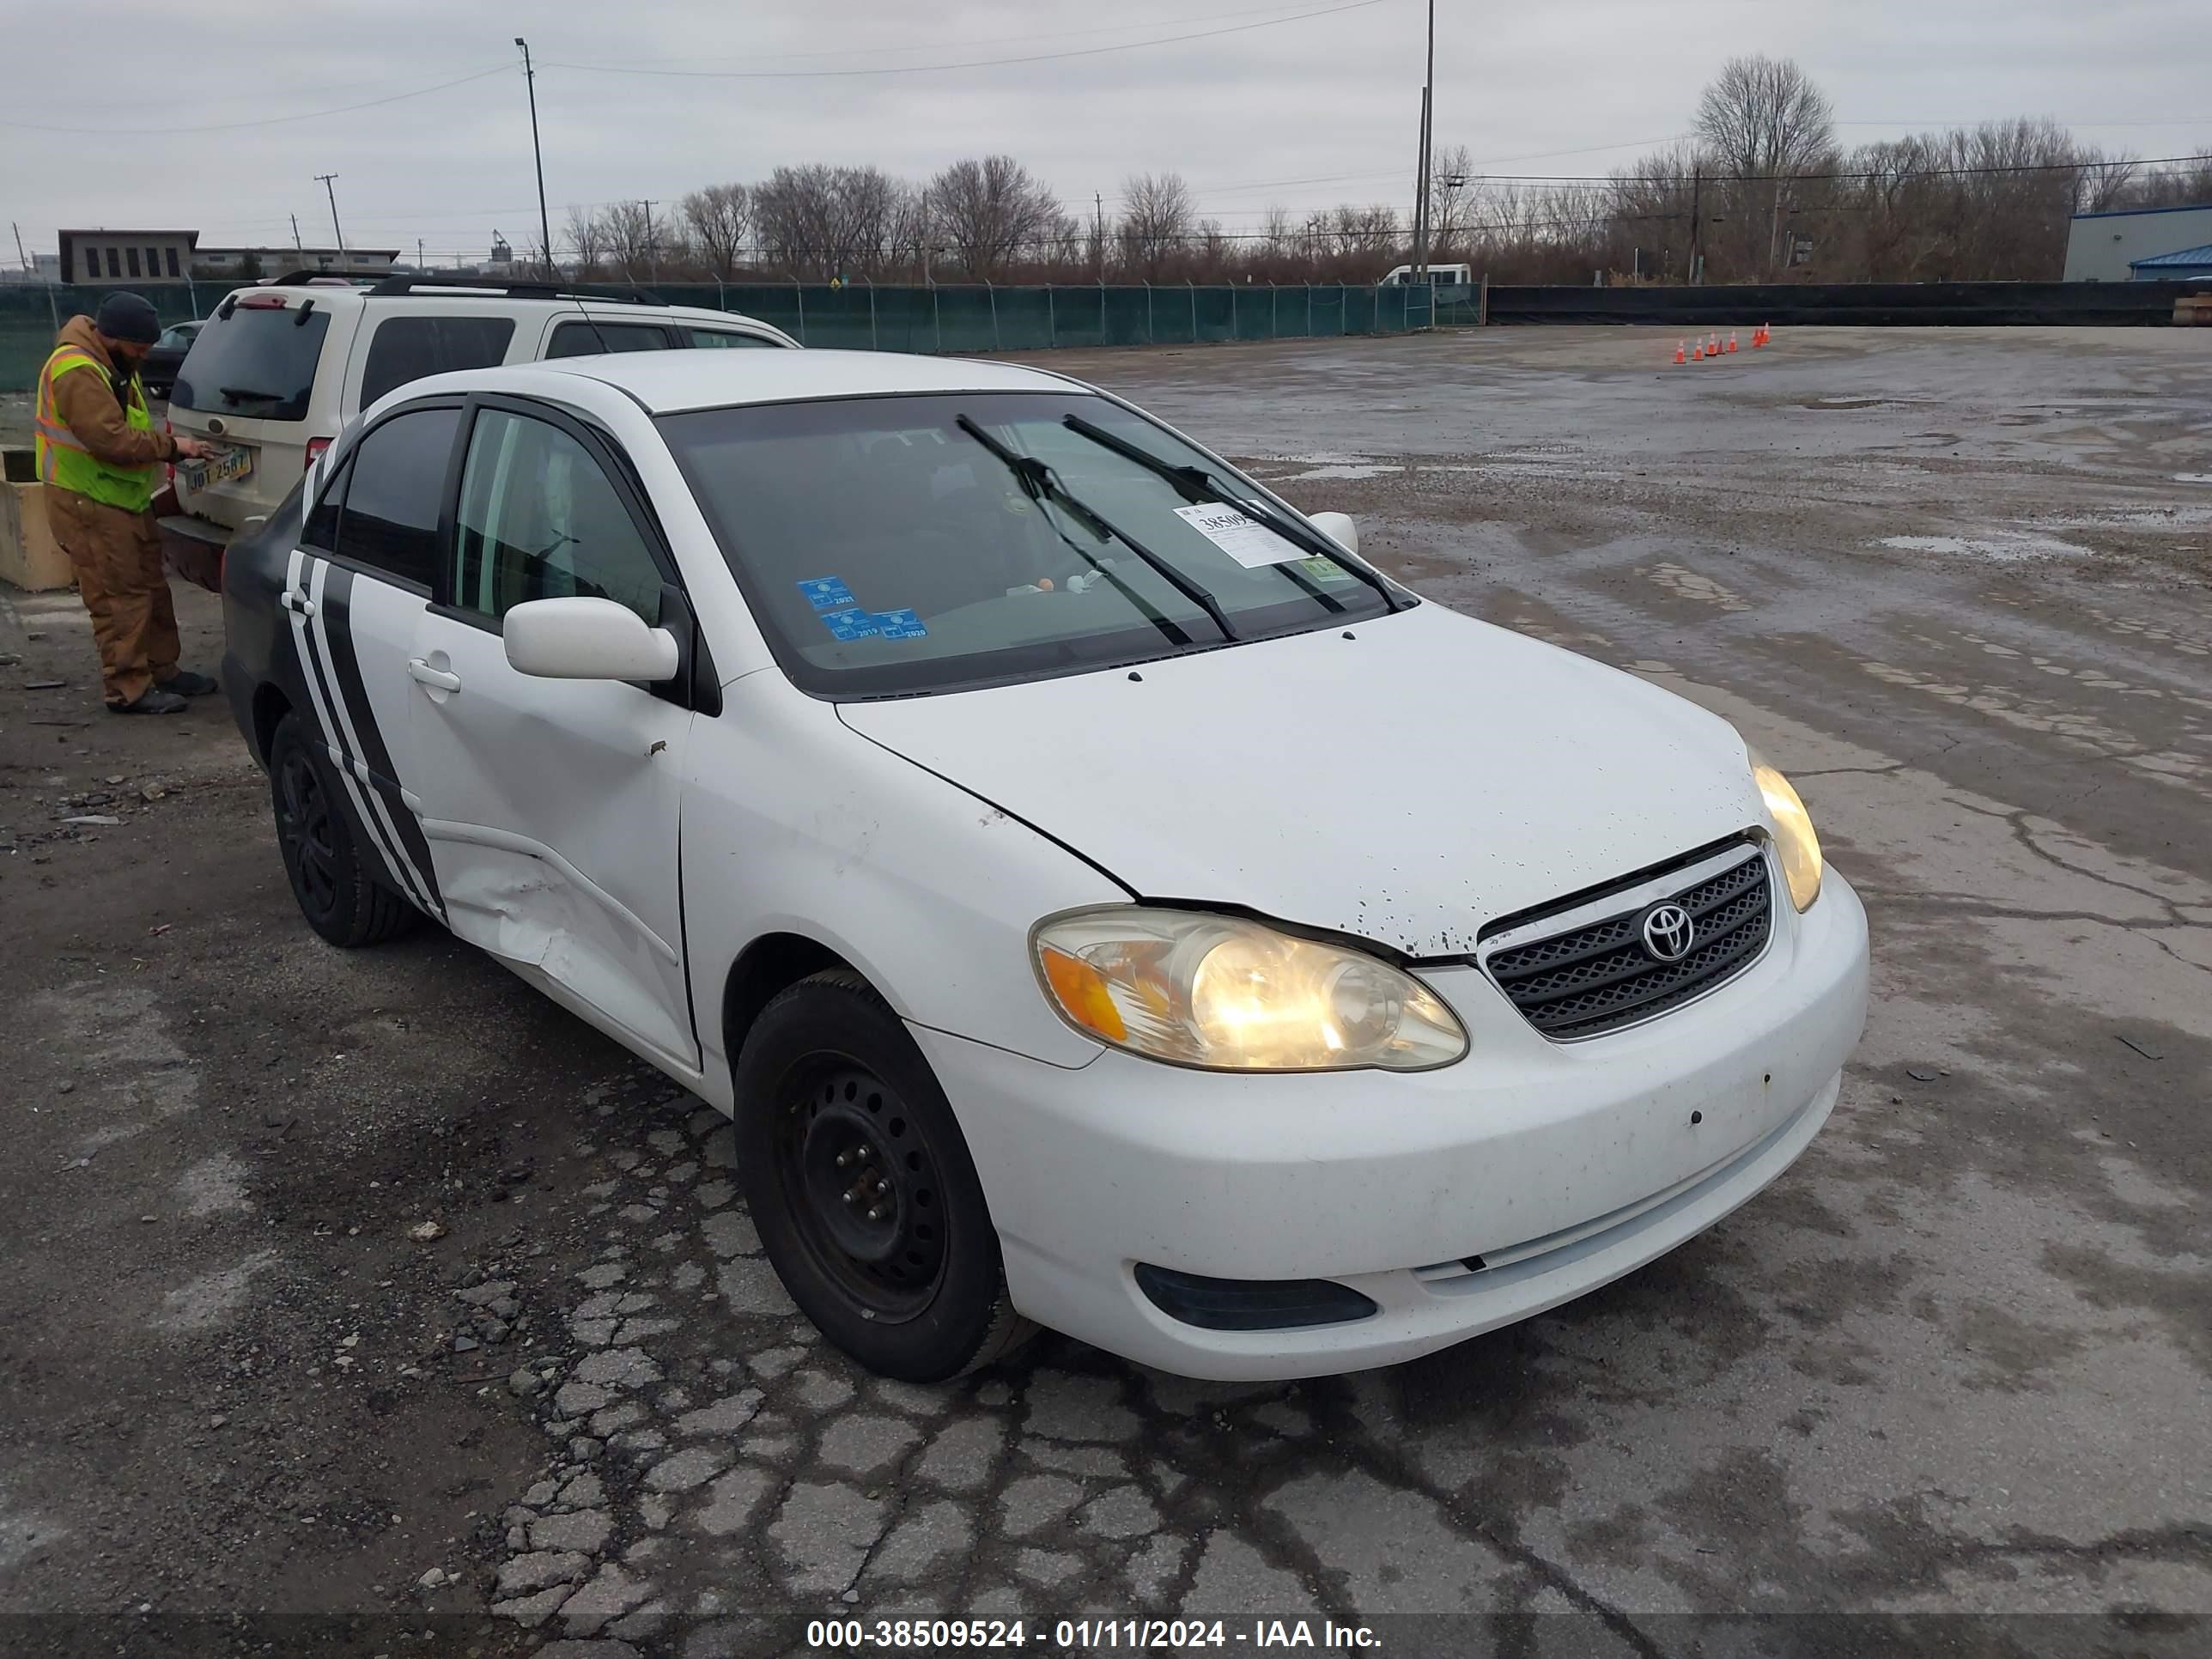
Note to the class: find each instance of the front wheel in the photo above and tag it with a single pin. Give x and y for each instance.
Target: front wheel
(862, 1189)
(323, 860)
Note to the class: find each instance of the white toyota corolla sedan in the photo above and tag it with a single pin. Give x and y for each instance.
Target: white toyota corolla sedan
(1100, 899)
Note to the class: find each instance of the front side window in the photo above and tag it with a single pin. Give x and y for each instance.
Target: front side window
(540, 519)
(586, 338)
(396, 479)
(404, 349)
(887, 549)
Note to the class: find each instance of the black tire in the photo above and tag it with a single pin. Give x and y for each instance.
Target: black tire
(327, 865)
(833, 1098)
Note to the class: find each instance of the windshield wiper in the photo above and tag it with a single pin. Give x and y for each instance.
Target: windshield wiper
(1040, 484)
(1196, 485)
(238, 394)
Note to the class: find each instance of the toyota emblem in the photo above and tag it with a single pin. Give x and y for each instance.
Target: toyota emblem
(1669, 933)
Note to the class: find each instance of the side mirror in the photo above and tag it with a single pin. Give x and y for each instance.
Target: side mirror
(586, 640)
(1337, 526)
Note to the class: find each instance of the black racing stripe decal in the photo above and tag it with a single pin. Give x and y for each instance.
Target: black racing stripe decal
(334, 733)
(336, 616)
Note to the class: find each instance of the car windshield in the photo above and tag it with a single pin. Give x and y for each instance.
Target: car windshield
(257, 362)
(900, 544)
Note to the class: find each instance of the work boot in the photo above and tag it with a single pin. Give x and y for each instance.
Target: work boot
(152, 700)
(185, 683)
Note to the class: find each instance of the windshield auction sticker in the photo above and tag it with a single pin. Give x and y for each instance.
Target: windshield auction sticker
(1244, 539)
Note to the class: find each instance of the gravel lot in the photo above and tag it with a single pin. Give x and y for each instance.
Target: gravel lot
(368, 1303)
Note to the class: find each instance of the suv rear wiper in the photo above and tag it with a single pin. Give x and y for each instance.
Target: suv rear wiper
(238, 394)
(1040, 484)
(1197, 485)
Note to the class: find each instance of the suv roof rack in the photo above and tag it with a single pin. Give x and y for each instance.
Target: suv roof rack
(309, 279)
(624, 294)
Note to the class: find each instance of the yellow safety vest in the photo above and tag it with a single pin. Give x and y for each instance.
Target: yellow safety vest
(66, 463)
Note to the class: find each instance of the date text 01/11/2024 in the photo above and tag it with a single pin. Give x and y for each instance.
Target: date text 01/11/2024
(832, 1635)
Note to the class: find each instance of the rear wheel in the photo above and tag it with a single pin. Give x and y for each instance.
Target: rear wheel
(862, 1189)
(325, 861)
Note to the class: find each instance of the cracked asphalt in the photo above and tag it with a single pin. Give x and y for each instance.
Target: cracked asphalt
(368, 1303)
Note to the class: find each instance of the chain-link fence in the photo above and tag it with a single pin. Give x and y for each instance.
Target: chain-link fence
(869, 317)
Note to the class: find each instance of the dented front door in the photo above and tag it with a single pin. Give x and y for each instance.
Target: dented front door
(551, 806)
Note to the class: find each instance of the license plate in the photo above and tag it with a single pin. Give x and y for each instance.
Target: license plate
(217, 469)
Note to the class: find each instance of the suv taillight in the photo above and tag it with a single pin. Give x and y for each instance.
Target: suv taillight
(316, 446)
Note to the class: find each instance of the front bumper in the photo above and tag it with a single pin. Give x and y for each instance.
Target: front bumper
(1562, 1165)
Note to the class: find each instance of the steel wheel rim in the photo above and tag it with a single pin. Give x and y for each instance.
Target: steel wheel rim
(890, 1264)
(303, 825)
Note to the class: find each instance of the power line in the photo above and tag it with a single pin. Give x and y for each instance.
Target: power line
(983, 40)
(980, 62)
(267, 121)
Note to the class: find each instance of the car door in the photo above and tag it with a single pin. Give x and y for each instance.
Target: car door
(355, 590)
(551, 806)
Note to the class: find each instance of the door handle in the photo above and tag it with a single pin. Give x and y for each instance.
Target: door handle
(297, 604)
(424, 674)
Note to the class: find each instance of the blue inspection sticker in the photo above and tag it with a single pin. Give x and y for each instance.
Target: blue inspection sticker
(828, 593)
(850, 625)
(900, 625)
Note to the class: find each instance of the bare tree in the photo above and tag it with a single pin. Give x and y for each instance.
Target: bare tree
(1451, 197)
(719, 215)
(1156, 219)
(630, 234)
(820, 220)
(1762, 123)
(588, 237)
(988, 211)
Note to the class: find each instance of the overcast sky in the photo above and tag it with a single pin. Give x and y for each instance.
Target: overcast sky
(1300, 113)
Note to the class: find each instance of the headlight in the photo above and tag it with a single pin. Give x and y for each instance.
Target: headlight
(1232, 995)
(1793, 833)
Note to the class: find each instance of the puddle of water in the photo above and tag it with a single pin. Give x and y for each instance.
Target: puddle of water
(2003, 547)
(2193, 477)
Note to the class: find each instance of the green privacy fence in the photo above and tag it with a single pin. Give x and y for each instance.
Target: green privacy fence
(31, 314)
(920, 317)
(943, 317)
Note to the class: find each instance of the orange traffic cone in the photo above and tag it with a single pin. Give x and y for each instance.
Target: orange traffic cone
(1713, 345)
(1765, 335)
(1697, 354)
(1731, 344)
(1681, 351)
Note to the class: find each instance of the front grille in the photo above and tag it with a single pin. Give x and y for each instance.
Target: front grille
(1599, 977)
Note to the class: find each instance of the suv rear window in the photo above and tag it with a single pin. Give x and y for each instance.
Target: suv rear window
(257, 363)
(404, 349)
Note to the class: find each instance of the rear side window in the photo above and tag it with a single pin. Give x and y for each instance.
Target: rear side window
(257, 363)
(395, 482)
(586, 339)
(712, 338)
(404, 349)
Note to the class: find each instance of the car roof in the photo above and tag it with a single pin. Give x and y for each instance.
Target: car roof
(668, 381)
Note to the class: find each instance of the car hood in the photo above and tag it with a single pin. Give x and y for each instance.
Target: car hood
(1405, 785)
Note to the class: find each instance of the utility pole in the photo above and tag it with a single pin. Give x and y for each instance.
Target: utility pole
(1697, 223)
(1098, 232)
(418, 252)
(1421, 176)
(544, 224)
(652, 250)
(24, 257)
(298, 246)
(324, 180)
